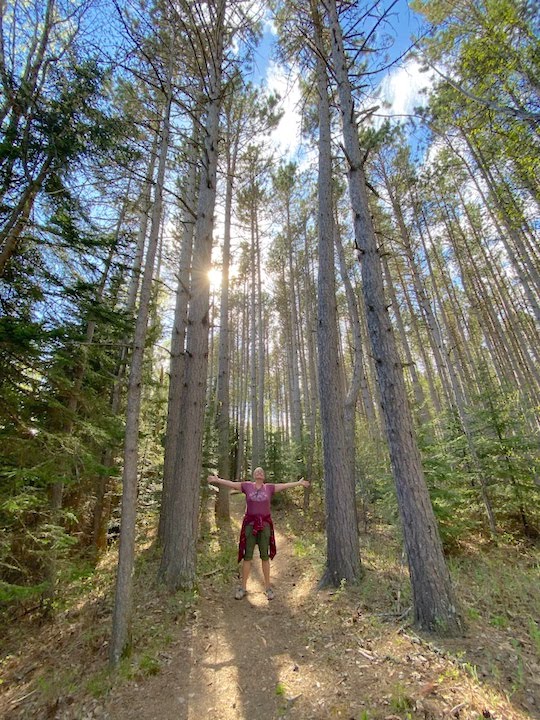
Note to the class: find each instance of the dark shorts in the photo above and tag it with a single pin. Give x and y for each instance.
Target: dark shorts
(262, 539)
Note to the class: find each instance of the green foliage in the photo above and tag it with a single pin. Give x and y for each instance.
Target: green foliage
(28, 538)
(499, 587)
(504, 458)
(99, 684)
(303, 548)
(400, 700)
(55, 421)
(59, 339)
(374, 481)
(278, 457)
(453, 498)
(219, 553)
(60, 323)
(148, 665)
(493, 51)
(534, 632)
(508, 456)
(499, 621)
(10, 593)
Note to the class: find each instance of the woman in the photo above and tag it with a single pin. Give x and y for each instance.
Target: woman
(257, 525)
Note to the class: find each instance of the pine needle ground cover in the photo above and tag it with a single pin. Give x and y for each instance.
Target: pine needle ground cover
(348, 653)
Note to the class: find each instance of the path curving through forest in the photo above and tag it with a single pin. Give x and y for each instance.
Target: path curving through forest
(247, 658)
(309, 655)
(306, 655)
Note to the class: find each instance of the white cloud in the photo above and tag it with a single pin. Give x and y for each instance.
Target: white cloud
(286, 137)
(402, 89)
(269, 25)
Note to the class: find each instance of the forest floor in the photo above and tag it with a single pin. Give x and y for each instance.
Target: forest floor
(306, 655)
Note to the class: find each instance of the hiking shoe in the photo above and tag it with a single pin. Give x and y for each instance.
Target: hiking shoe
(270, 594)
(239, 594)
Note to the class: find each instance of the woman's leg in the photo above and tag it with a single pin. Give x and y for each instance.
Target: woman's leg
(251, 541)
(246, 569)
(266, 573)
(264, 550)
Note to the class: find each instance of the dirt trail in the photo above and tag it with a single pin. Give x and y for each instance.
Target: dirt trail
(305, 655)
(236, 659)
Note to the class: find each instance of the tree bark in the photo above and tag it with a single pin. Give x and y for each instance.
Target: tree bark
(435, 607)
(121, 622)
(223, 378)
(342, 547)
(178, 336)
(178, 563)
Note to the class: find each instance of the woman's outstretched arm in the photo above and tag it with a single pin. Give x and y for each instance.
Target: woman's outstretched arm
(285, 486)
(215, 480)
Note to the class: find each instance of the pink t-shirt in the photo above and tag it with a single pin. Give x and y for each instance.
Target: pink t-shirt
(258, 500)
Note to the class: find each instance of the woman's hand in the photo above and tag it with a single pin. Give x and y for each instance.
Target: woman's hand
(212, 479)
(304, 483)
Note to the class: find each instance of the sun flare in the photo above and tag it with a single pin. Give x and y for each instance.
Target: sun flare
(214, 275)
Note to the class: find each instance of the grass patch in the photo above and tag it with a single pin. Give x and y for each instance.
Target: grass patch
(534, 631)
(499, 586)
(218, 554)
(148, 665)
(400, 701)
(304, 548)
(499, 621)
(99, 684)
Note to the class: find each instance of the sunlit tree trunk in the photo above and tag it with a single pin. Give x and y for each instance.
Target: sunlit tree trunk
(178, 336)
(178, 563)
(232, 140)
(435, 606)
(310, 385)
(296, 400)
(243, 390)
(342, 547)
(103, 503)
(121, 622)
(418, 392)
(358, 376)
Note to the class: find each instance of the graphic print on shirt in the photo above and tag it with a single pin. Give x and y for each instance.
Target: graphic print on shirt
(258, 494)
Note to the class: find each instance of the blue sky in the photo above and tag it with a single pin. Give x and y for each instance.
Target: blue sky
(399, 86)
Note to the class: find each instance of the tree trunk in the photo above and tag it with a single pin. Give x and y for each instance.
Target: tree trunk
(242, 391)
(343, 555)
(261, 353)
(435, 607)
(176, 365)
(311, 390)
(121, 624)
(178, 563)
(293, 355)
(223, 381)
(351, 398)
(103, 503)
(419, 397)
